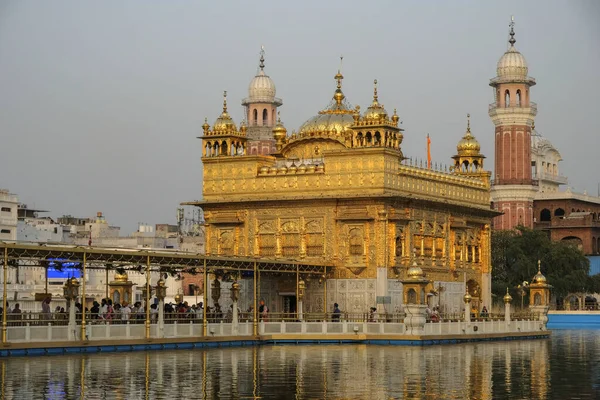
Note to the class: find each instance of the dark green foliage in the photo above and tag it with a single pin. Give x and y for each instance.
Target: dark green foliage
(514, 259)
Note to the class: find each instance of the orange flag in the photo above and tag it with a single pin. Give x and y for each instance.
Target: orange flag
(428, 152)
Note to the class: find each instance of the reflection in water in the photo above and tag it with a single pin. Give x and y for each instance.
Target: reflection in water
(560, 368)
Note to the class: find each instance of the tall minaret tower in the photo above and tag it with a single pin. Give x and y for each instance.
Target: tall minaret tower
(513, 114)
(261, 111)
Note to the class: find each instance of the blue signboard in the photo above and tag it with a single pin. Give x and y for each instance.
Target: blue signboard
(59, 268)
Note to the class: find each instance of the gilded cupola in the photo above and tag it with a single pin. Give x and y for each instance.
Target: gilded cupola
(375, 112)
(335, 119)
(224, 122)
(468, 145)
(468, 159)
(279, 133)
(539, 278)
(224, 139)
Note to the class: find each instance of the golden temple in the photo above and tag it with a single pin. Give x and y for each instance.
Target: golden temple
(340, 191)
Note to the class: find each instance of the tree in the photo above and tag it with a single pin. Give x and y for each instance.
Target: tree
(515, 255)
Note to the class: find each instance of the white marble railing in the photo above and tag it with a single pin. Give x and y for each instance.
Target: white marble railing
(131, 331)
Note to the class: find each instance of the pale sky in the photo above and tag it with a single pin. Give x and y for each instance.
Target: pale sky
(101, 101)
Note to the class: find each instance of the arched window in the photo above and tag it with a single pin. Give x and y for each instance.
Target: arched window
(265, 117)
(255, 117)
(356, 242)
(507, 98)
(559, 212)
(369, 139)
(537, 299)
(216, 150)
(545, 215)
(411, 296)
(519, 98)
(377, 139)
(359, 139)
(465, 166)
(208, 149)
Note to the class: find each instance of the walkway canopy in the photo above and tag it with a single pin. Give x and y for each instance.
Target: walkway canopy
(41, 255)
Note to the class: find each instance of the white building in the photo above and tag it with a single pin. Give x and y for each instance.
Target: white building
(8, 215)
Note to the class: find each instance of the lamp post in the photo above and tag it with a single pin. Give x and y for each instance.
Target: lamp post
(301, 289)
(507, 299)
(235, 294)
(70, 292)
(161, 293)
(467, 299)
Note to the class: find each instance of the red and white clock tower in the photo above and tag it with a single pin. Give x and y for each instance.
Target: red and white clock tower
(513, 188)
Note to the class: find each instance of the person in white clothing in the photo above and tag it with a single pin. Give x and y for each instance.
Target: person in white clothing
(125, 312)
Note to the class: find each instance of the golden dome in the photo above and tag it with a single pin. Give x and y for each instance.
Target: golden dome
(335, 118)
(375, 111)
(279, 131)
(224, 123)
(507, 297)
(121, 277)
(468, 145)
(415, 272)
(539, 278)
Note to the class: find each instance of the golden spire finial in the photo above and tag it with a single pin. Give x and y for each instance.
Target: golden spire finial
(539, 266)
(375, 97)
(279, 117)
(225, 101)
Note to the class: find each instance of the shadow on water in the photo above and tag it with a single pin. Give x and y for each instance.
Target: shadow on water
(564, 367)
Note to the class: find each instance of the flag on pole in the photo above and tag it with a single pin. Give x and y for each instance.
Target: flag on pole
(428, 152)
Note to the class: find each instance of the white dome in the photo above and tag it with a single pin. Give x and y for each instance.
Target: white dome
(512, 63)
(262, 88)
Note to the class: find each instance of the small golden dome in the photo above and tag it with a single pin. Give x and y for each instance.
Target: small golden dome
(279, 131)
(320, 168)
(282, 170)
(263, 170)
(121, 277)
(273, 170)
(375, 112)
(243, 127)
(302, 168)
(224, 122)
(415, 272)
(539, 277)
(205, 125)
(311, 168)
(507, 297)
(292, 169)
(468, 145)
(395, 117)
(73, 281)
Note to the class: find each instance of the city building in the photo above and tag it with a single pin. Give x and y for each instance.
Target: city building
(341, 191)
(527, 180)
(8, 215)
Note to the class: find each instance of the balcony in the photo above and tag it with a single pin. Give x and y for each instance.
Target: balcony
(494, 107)
(545, 176)
(500, 182)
